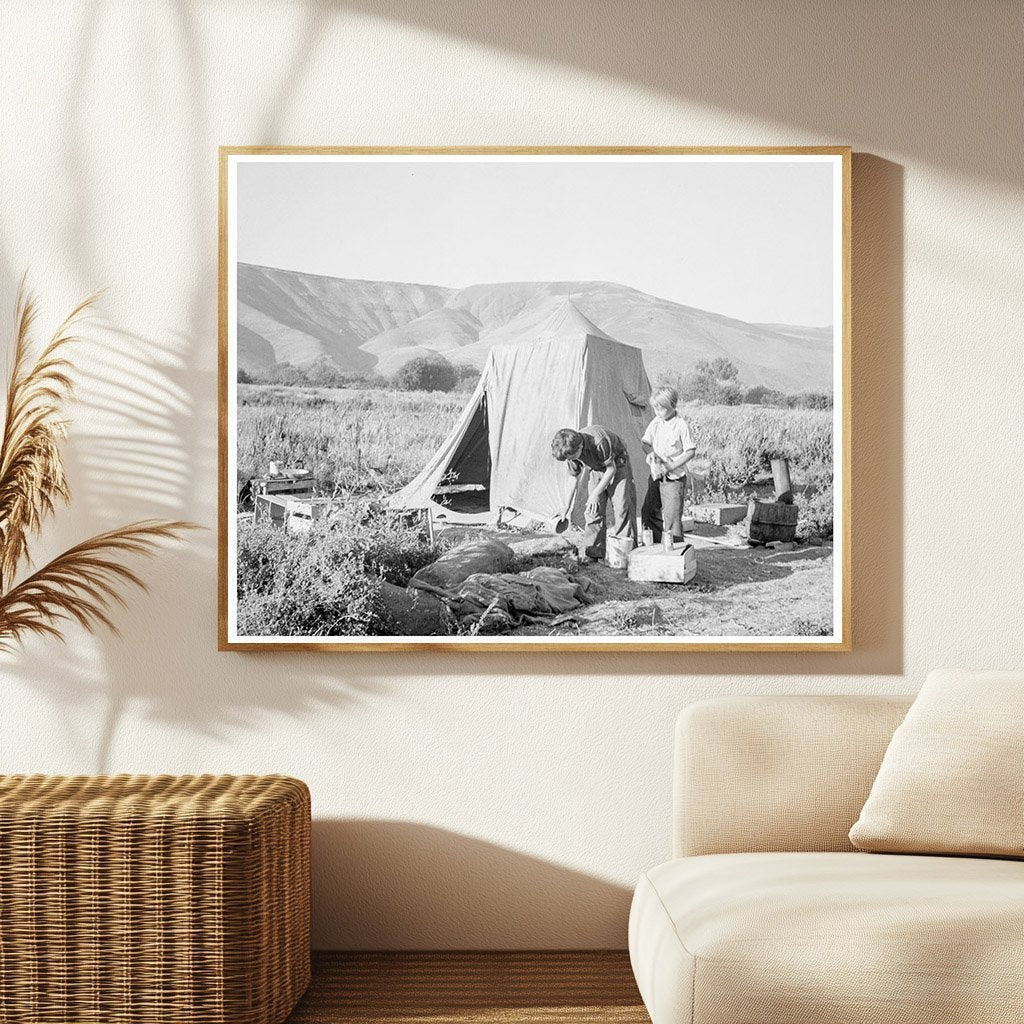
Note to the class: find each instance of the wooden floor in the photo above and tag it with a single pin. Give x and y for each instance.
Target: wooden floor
(466, 988)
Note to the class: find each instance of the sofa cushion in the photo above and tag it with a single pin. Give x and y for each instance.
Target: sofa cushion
(950, 781)
(790, 938)
(777, 772)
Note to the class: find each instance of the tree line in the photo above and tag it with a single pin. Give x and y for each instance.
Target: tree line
(715, 382)
(422, 373)
(710, 382)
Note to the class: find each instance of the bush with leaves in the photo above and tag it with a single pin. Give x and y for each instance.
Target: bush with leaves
(817, 514)
(321, 373)
(729, 393)
(711, 382)
(723, 369)
(304, 585)
(761, 394)
(324, 373)
(468, 377)
(328, 580)
(738, 444)
(810, 400)
(387, 543)
(426, 373)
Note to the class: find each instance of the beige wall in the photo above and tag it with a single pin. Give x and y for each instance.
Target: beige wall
(480, 800)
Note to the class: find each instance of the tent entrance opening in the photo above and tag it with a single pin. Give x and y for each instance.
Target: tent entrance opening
(465, 485)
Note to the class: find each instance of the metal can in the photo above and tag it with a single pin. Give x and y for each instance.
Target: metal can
(648, 538)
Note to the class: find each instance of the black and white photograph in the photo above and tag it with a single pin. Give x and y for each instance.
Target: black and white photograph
(549, 398)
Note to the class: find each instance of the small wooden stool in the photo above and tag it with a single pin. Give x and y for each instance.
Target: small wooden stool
(153, 899)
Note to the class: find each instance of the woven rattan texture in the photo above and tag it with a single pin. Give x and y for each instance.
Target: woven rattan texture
(144, 899)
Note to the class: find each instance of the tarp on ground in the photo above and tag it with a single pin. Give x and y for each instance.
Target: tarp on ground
(492, 602)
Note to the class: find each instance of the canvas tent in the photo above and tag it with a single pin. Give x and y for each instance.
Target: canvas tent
(563, 372)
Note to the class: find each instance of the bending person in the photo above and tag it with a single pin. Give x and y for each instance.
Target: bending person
(612, 491)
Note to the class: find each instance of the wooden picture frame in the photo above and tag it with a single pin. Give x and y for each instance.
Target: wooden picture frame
(828, 631)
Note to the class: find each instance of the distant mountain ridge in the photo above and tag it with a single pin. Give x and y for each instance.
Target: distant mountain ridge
(290, 316)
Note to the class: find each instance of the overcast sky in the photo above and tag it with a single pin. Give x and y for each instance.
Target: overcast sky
(749, 240)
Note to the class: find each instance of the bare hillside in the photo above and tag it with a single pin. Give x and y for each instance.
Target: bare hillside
(673, 337)
(305, 316)
(439, 330)
(379, 325)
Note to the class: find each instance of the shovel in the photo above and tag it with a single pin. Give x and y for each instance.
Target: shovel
(562, 524)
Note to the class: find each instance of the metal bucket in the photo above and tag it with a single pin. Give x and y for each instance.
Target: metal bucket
(618, 549)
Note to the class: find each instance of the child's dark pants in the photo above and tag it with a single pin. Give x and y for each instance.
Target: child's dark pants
(663, 507)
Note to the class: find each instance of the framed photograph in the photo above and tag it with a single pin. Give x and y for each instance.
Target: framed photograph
(509, 399)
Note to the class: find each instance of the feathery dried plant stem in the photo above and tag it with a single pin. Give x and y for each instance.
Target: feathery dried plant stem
(82, 583)
(32, 479)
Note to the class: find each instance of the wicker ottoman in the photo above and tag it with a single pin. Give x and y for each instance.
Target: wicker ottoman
(144, 899)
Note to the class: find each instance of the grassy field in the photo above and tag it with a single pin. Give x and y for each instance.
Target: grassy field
(353, 440)
(735, 446)
(735, 443)
(364, 441)
(365, 444)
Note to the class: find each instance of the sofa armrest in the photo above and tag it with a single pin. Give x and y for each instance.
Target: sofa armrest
(758, 774)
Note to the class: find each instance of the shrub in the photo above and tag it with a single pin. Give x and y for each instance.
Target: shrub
(738, 445)
(303, 585)
(363, 379)
(816, 510)
(324, 373)
(723, 369)
(283, 373)
(698, 385)
(321, 373)
(386, 543)
(761, 394)
(426, 373)
(729, 393)
(262, 549)
(711, 383)
(327, 581)
(468, 376)
(809, 627)
(810, 400)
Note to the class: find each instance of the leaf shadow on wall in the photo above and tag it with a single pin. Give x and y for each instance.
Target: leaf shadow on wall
(147, 444)
(406, 885)
(143, 452)
(925, 80)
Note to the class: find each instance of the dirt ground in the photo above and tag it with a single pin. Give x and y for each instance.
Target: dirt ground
(738, 591)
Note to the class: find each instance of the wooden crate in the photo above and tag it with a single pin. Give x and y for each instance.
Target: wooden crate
(653, 564)
(718, 514)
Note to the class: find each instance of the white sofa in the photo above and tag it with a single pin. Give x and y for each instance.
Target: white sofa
(767, 914)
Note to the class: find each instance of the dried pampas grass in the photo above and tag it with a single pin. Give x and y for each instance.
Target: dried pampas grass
(83, 583)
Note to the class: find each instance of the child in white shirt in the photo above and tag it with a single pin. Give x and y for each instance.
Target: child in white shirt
(669, 446)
